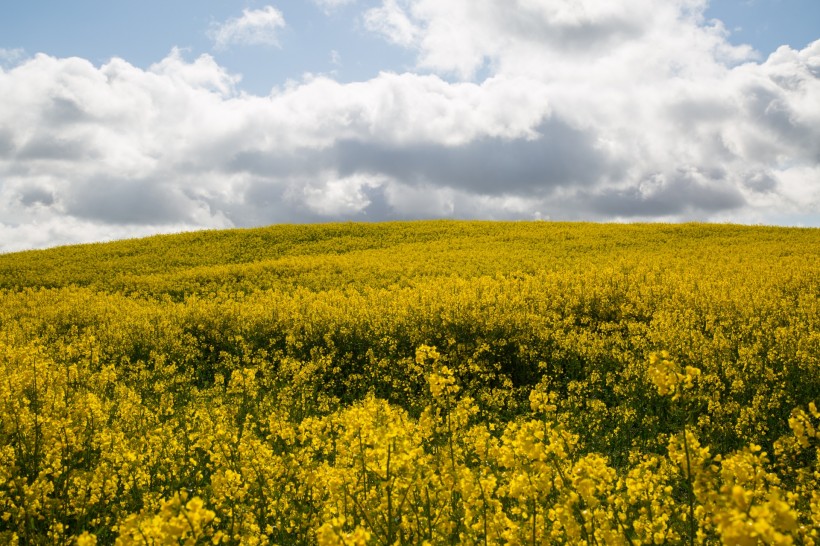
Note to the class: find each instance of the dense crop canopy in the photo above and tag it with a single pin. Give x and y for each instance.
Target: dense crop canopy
(431, 382)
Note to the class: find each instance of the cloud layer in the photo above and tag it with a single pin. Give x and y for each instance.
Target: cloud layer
(624, 110)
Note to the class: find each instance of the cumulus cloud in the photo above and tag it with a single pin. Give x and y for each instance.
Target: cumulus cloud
(522, 36)
(625, 110)
(254, 26)
(393, 23)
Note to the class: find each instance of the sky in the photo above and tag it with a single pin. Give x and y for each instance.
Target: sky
(125, 119)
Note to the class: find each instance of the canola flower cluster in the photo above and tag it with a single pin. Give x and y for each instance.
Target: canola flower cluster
(621, 398)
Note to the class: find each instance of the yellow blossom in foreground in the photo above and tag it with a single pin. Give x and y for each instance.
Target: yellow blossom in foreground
(174, 523)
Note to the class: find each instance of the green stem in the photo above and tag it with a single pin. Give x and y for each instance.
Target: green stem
(690, 490)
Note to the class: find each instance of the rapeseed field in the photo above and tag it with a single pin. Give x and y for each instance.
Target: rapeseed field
(414, 383)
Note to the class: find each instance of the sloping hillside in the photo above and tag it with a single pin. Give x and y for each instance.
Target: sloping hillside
(337, 255)
(438, 382)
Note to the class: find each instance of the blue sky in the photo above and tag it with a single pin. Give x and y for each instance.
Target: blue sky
(768, 24)
(123, 119)
(144, 32)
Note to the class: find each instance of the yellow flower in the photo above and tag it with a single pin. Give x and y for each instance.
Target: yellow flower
(86, 539)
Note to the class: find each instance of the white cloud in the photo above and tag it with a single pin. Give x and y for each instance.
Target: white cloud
(174, 147)
(331, 195)
(10, 56)
(460, 36)
(203, 73)
(392, 21)
(255, 26)
(330, 5)
(583, 110)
